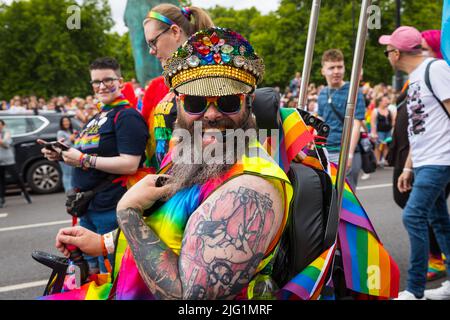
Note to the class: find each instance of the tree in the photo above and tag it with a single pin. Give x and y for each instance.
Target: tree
(280, 37)
(39, 54)
(122, 51)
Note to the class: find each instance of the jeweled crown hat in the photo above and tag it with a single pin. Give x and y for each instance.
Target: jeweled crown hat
(214, 62)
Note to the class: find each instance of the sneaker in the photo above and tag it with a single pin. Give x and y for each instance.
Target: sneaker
(406, 295)
(436, 269)
(442, 293)
(365, 176)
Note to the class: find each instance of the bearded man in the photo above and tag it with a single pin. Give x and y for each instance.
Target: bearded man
(210, 221)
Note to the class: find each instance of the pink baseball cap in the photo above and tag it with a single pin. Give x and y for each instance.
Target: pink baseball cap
(403, 38)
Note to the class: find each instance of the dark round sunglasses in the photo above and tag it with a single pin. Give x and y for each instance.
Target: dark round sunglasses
(196, 105)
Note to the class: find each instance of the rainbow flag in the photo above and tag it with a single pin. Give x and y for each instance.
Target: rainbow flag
(98, 289)
(292, 138)
(308, 284)
(368, 267)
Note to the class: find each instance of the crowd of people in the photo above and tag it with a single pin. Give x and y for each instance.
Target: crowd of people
(83, 108)
(200, 230)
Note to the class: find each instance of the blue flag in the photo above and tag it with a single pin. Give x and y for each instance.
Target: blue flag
(445, 36)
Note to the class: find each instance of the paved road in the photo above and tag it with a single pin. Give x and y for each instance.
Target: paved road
(23, 278)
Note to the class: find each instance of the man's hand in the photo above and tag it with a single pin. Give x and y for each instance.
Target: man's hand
(404, 181)
(144, 194)
(87, 241)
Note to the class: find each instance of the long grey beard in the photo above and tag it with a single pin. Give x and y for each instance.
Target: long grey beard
(186, 173)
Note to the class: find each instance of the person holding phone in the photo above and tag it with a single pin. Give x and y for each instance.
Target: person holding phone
(8, 163)
(110, 147)
(67, 135)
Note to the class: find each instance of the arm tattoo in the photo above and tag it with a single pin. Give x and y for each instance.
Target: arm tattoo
(157, 264)
(224, 242)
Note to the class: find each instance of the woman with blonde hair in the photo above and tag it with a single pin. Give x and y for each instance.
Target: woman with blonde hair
(166, 28)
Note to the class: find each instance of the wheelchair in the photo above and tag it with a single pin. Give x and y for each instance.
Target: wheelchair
(313, 222)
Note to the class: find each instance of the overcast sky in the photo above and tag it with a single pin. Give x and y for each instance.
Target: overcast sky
(118, 7)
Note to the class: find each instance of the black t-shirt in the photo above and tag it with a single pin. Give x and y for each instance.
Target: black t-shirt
(122, 131)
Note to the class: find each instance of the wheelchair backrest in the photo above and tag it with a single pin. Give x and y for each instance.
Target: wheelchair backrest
(313, 222)
(304, 237)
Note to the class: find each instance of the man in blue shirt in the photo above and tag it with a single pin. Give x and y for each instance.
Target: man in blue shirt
(332, 103)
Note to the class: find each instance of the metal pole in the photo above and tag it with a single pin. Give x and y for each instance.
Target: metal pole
(398, 22)
(314, 19)
(351, 100)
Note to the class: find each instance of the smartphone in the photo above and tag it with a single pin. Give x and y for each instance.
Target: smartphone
(51, 146)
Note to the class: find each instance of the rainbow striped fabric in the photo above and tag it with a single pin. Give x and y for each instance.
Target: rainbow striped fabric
(97, 289)
(293, 137)
(308, 284)
(368, 267)
(120, 101)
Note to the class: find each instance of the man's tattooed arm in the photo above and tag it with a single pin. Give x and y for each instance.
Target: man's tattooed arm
(157, 264)
(224, 242)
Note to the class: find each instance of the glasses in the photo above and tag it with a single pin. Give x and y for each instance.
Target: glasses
(152, 43)
(108, 82)
(196, 105)
(386, 52)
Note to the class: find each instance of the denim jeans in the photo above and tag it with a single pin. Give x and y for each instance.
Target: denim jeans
(101, 223)
(426, 205)
(353, 173)
(67, 172)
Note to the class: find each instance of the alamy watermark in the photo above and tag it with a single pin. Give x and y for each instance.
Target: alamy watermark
(224, 147)
(73, 22)
(373, 277)
(374, 18)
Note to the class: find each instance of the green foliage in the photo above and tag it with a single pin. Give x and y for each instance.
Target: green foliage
(280, 37)
(40, 55)
(121, 50)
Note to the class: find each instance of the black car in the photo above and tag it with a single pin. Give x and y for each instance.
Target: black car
(42, 176)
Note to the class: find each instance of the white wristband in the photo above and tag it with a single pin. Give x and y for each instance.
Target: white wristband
(109, 242)
(407, 170)
(350, 156)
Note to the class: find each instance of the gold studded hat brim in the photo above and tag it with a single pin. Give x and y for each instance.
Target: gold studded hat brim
(213, 87)
(213, 80)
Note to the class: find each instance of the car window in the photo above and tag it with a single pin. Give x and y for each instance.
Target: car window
(17, 126)
(21, 126)
(36, 123)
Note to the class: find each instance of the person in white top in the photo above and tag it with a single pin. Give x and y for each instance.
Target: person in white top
(428, 107)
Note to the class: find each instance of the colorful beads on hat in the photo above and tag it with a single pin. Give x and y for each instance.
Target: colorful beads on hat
(193, 61)
(215, 46)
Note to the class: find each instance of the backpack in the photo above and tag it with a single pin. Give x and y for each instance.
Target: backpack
(428, 83)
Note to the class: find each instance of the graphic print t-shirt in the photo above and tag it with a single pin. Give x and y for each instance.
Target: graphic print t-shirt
(109, 137)
(429, 125)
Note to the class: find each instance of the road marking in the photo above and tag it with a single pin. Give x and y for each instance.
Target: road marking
(37, 225)
(3, 215)
(24, 286)
(375, 186)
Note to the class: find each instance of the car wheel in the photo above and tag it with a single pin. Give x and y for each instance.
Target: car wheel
(44, 177)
